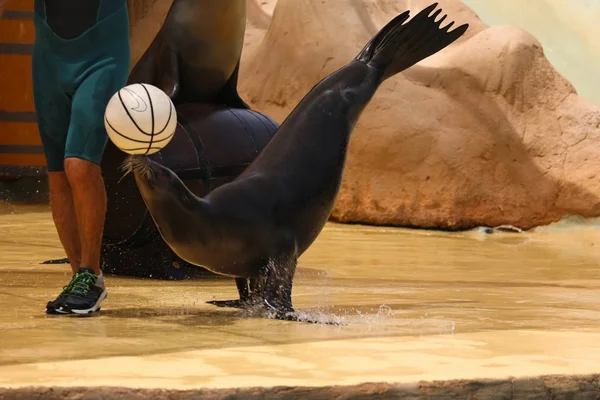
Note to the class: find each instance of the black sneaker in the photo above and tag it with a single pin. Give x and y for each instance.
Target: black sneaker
(82, 295)
(56, 306)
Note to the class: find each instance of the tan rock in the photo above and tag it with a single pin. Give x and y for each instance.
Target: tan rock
(485, 132)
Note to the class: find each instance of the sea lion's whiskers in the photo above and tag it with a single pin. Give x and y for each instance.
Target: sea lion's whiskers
(147, 171)
(137, 165)
(126, 168)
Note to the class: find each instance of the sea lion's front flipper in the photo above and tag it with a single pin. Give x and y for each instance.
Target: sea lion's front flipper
(277, 295)
(302, 317)
(144, 70)
(167, 73)
(159, 67)
(229, 95)
(229, 303)
(243, 302)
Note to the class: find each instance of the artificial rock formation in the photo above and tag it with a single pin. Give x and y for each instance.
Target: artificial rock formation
(486, 132)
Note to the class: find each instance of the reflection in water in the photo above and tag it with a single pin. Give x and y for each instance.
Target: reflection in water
(377, 281)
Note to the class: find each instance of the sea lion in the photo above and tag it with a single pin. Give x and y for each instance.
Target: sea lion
(195, 56)
(255, 227)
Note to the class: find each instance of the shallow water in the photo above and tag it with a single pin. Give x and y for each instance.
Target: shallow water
(381, 282)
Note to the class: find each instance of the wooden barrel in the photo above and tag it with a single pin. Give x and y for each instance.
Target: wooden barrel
(21, 152)
(212, 145)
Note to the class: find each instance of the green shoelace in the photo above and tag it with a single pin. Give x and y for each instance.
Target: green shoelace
(80, 284)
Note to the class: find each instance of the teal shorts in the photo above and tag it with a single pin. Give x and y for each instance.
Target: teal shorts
(74, 79)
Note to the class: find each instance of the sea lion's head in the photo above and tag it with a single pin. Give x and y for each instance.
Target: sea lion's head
(171, 204)
(159, 186)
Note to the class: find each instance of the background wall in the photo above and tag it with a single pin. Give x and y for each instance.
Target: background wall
(568, 30)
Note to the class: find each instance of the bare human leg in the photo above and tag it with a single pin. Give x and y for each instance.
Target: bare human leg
(79, 217)
(65, 220)
(89, 200)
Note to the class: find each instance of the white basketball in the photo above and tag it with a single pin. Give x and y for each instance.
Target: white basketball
(140, 119)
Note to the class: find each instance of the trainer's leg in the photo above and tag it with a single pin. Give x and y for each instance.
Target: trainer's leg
(89, 203)
(86, 142)
(53, 112)
(65, 220)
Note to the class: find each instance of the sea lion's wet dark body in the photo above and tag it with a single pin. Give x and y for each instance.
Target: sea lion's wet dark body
(255, 228)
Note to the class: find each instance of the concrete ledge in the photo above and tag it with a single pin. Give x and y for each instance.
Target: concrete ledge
(544, 387)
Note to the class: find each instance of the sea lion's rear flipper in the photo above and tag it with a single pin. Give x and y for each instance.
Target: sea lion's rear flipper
(400, 45)
(229, 95)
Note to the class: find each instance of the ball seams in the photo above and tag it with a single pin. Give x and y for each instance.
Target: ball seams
(154, 142)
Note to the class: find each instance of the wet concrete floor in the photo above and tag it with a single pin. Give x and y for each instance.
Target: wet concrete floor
(416, 305)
